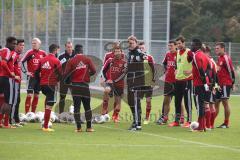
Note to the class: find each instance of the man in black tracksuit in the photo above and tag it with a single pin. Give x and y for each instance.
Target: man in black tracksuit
(135, 81)
(64, 58)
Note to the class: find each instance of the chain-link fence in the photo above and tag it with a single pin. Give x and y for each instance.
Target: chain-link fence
(92, 25)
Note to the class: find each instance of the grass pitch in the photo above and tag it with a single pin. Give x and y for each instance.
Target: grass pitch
(114, 141)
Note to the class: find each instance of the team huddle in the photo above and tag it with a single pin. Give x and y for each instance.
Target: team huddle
(187, 72)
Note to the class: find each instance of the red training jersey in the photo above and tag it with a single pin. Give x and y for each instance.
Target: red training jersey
(17, 67)
(50, 68)
(32, 58)
(7, 65)
(81, 68)
(170, 65)
(200, 62)
(116, 69)
(225, 70)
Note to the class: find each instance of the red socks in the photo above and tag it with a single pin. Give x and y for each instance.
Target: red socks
(148, 110)
(105, 106)
(226, 121)
(213, 116)
(208, 117)
(6, 120)
(28, 104)
(202, 122)
(1, 117)
(46, 117)
(34, 103)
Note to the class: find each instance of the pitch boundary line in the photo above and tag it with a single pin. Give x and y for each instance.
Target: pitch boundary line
(179, 139)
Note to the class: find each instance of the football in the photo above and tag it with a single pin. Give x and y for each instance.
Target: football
(194, 125)
(49, 124)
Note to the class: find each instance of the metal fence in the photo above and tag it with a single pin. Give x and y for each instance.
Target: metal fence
(92, 25)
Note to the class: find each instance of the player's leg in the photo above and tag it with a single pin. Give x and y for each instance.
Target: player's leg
(8, 95)
(188, 102)
(35, 96)
(16, 113)
(63, 93)
(179, 92)
(49, 92)
(13, 108)
(199, 100)
(148, 104)
(107, 90)
(225, 101)
(30, 90)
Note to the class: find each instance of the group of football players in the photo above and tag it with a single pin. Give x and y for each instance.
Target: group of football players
(187, 72)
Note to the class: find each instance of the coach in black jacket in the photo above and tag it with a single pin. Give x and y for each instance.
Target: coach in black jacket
(64, 58)
(135, 81)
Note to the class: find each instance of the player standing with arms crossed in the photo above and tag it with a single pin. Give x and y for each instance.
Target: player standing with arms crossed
(32, 58)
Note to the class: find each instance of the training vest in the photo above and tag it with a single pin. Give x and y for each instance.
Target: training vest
(183, 65)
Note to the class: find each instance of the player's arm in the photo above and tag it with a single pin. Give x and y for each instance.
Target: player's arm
(164, 62)
(105, 69)
(151, 64)
(4, 65)
(37, 72)
(121, 77)
(92, 68)
(190, 56)
(58, 70)
(199, 62)
(25, 59)
(229, 66)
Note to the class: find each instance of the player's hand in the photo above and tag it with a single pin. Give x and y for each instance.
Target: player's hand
(109, 81)
(17, 78)
(12, 74)
(29, 74)
(206, 87)
(187, 73)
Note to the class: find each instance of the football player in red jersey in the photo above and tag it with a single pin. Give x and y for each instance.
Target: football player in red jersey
(226, 79)
(169, 63)
(116, 68)
(32, 58)
(17, 83)
(80, 68)
(102, 81)
(210, 112)
(48, 73)
(148, 89)
(201, 83)
(7, 77)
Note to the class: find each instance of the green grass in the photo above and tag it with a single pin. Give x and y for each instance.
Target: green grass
(113, 141)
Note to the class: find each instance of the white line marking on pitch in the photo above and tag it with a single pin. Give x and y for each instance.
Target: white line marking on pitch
(178, 139)
(104, 144)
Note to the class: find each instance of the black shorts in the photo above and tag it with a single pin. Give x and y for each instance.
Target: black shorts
(212, 98)
(49, 92)
(202, 95)
(115, 90)
(80, 89)
(130, 94)
(224, 93)
(33, 85)
(169, 89)
(148, 91)
(6, 88)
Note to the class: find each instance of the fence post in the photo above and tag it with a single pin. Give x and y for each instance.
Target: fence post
(2, 21)
(34, 18)
(12, 24)
(23, 19)
(86, 28)
(46, 36)
(230, 48)
(116, 20)
(133, 19)
(73, 18)
(168, 21)
(101, 31)
(59, 21)
(146, 23)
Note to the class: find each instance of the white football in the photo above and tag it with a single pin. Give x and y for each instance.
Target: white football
(22, 117)
(194, 125)
(40, 116)
(31, 117)
(71, 109)
(53, 117)
(99, 119)
(49, 124)
(106, 117)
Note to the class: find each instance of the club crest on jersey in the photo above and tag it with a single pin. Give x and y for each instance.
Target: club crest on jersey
(46, 65)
